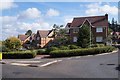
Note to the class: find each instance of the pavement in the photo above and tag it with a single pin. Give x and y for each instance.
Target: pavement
(97, 66)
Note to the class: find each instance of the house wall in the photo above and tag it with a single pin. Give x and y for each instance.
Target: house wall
(45, 41)
(95, 34)
(99, 34)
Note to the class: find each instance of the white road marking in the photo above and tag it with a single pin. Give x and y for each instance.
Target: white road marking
(106, 53)
(49, 63)
(69, 58)
(19, 64)
(28, 61)
(77, 57)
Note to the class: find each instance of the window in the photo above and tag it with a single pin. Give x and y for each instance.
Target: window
(99, 29)
(38, 38)
(76, 30)
(67, 30)
(30, 41)
(37, 45)
(74, 39)
(99, 39)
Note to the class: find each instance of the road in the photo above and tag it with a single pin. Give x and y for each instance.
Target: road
(98, 66)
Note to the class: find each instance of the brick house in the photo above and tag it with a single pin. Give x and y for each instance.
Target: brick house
(98, 26)
(44, 38)
(23, 38)
(41, 39)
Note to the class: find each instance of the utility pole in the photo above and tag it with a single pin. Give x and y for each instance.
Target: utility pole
(90, 36)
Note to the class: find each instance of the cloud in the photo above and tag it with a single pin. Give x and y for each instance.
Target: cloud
(21, 27)
(52, 12)
(30, 13)
(11, 26)
(69, 18)
(97, 8)
(7, 4)
(8, 19)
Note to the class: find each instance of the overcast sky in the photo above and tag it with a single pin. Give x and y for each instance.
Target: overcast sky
(18, 17)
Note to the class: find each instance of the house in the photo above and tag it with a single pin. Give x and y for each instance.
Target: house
(26, 39)
(44, 38)
(98, 26)
(23, 38)
(115, 37)
(39, 40)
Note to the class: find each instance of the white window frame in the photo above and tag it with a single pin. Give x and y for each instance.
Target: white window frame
(38, 38)
(75, 39)
(67, 30)
(38, 45)
(99, 39)
(75, 30)
(99, 29)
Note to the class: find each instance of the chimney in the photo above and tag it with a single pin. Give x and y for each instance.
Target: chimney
(106, 16)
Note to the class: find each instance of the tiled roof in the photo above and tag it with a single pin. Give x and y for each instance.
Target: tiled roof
(94, 20)
(44, 33)
(22, 37)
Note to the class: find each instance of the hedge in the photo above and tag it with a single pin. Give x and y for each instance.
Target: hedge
(19, 55)
(40, 51)
(81, 52)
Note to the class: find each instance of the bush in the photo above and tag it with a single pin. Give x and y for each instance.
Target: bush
(97, 45)
(64, 48)
(40, 51)
(4, 49)
(19, 55)
(48, 50)
(73, 47)
(81, 52)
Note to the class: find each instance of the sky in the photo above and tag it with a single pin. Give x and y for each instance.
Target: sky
(18, 17)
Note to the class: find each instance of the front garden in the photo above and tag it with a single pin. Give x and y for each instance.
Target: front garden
(62, 51)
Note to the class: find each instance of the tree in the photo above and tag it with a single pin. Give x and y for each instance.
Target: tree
(84, 36)
(56, 29)
(60, 35)
(12, 43)
(29, 33)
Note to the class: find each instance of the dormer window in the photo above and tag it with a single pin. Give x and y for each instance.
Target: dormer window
(99, 29)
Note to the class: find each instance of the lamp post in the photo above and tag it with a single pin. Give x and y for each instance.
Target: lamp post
(90, 36)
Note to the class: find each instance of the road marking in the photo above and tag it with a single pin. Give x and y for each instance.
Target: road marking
(106, 53)
(69, 58)
(19, 64)
(28, 61)
(49, 63)
(77, 57)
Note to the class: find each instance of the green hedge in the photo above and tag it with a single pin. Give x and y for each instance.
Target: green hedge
(40, 51)
(73, 47)
(64, 48)
(97, 45)
(81, 52)
(19, 55)
(48, 50)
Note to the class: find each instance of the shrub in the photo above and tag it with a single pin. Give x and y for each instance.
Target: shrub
(81, 52)
(19, 55)
(40, 51)
(3, 48)
(73, 47)
(48, 50)
(97, 45)
(64, 48)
